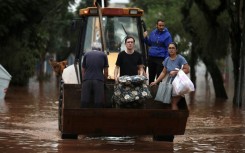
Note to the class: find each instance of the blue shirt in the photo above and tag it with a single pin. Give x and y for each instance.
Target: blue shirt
(158, 42)
(94, 63)
(172, 64)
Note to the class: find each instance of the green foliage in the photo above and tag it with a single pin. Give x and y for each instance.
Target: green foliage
(214, 36)
(20, 63)
(170, 11)
(213, 32)
(28, 30)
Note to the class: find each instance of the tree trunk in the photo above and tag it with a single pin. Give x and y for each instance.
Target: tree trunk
(235, 36)
(186, 22)
(240, 96)
(41, 67)
(193, 62)
(235, 14)
(216, 77)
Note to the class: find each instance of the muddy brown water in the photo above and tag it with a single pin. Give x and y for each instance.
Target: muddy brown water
(28, 123)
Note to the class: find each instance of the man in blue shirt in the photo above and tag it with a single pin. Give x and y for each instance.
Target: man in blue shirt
(158, 42)
(94, 74)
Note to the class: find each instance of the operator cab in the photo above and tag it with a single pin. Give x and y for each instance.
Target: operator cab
(116, 24)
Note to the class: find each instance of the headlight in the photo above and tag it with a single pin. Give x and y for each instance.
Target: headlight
(133, 11)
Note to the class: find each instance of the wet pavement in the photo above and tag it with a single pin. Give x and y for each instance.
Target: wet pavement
(29, 123)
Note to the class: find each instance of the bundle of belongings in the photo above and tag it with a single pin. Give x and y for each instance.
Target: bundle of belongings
(131, 91)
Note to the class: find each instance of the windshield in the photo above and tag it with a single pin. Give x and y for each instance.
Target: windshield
(115, 30)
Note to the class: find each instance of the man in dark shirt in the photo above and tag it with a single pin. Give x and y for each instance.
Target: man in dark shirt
(94, 74)
(129, 62)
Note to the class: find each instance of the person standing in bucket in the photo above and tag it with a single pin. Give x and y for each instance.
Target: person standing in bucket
(94, 74)
(129, 62)
(171, 64)
(158, 42)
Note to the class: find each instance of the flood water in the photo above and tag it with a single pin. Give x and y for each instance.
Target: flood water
(29, 123)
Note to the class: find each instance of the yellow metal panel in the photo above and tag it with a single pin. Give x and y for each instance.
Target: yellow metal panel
(112, 57)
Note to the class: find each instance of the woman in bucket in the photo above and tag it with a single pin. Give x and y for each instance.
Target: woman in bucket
(171, 65)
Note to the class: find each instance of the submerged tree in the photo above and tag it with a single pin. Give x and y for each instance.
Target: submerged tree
(25, 33)
(209, 39)
(236, 9)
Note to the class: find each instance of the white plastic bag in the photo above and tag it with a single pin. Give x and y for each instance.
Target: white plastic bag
(182, 84)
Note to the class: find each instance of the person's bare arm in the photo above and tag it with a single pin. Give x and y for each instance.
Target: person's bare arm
(83, 72)
(141, 69)
(186, 68)
(145, 34)
(116, 73)
(161, 76)
(106, 73)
